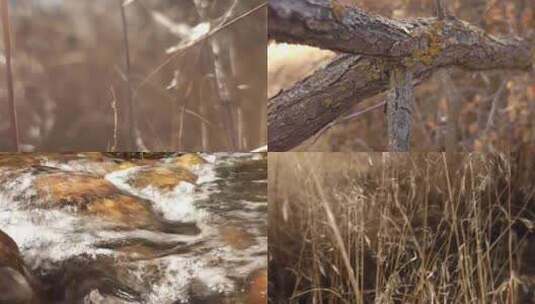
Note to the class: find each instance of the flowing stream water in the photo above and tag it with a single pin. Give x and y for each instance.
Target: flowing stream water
(130, 237)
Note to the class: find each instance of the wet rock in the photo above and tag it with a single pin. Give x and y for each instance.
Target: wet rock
(18, 160)
(66, 188)
(95, 163)
(14, 288)
(93, 195)
(15, 281)
(257, 292)
(165, 177)
(88, 279)
(189, 161)
(200, 293)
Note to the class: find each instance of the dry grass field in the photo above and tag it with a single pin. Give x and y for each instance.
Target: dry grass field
(401, 228)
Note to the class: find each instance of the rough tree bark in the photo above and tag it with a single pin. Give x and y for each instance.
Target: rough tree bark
(378, 45)
(399, 108)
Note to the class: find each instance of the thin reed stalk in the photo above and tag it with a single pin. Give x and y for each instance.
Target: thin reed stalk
(226, 89)
(342, 248)
(131, 114)
(14, 129)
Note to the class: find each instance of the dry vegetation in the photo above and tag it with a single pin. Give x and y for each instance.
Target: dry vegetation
(492, 110)
(72, 79)
(401, 228)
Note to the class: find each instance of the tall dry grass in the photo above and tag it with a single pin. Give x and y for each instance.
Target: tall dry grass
(401, 228)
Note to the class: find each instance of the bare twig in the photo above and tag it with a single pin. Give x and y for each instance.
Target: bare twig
(226, 89)
(494, 107)
(216, 30)
(14, 129)
(131, 115)
(115, 119)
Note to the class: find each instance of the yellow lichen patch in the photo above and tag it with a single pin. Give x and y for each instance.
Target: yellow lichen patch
(72, 189)
(339, 7)
(375, 70)
(189, 160)
(257, 293)
(122, 208)
(330, 103)
(435, 45)
(164, 177)
(236, 238)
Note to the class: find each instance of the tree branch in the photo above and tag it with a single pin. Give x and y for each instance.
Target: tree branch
(296, 114)
(421, 45)
(399, 108)
(423, 41)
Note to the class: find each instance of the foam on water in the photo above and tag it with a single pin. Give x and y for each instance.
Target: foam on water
(48, 236)
(177, 273)
(175, 205)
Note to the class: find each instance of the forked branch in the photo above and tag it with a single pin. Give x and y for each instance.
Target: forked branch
(378, 45)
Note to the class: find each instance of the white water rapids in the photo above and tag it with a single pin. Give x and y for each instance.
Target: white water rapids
(49, 237)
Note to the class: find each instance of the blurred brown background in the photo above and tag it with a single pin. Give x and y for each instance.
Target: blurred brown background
(496, 108)
(69, 68)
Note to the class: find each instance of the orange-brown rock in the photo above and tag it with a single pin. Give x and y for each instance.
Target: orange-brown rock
(18, 160)
(69, 188)
(189, 161)
(236, 237)
(258, 286)
(92, 195)
(164, 177)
